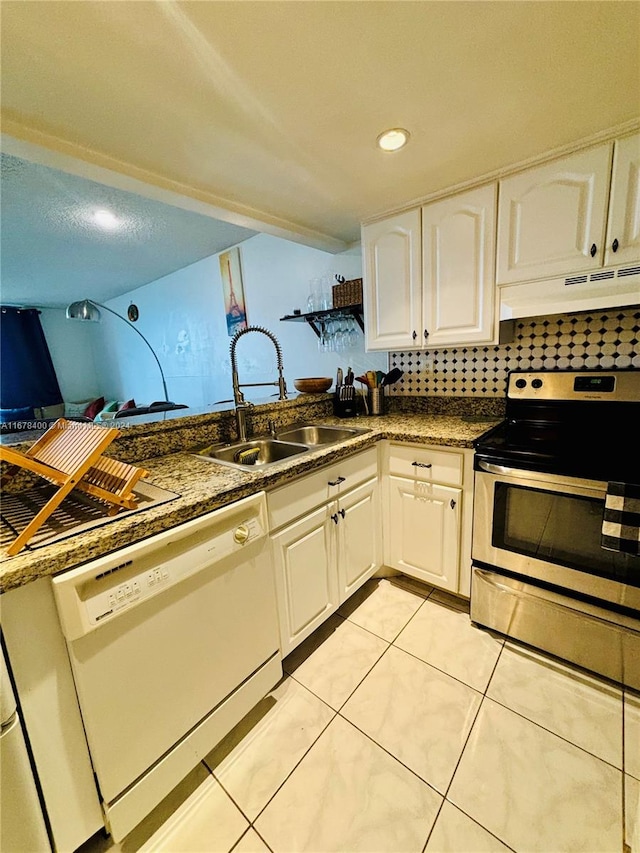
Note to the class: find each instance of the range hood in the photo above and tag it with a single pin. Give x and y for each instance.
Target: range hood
(610, 287)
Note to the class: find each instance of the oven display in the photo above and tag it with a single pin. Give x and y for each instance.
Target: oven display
(594, 383)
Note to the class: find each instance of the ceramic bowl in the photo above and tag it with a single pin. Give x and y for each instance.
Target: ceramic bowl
(313, 384)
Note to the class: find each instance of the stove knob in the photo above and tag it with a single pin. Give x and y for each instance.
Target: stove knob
(521, 383)
(537, 383)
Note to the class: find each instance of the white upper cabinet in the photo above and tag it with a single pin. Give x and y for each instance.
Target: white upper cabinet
(623, 228)
(458, 263)
(552, 218)
(432, 285)
(393, 280)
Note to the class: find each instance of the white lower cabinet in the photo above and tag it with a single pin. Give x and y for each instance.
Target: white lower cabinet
(428, 513)
(424, 531)
(328, 529)
(322, 555)
(358, 531)
(306, 579)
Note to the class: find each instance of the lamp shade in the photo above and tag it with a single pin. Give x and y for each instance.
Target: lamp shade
(83, 310)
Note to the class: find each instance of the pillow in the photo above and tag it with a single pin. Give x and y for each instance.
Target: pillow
(130, 404)
(23, 414)
(111, 406)
(56, 411)
(104, 415)
(76, 410)
(93, 408)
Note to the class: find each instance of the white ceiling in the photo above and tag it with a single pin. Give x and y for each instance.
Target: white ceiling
(53, 252)
(266, 113)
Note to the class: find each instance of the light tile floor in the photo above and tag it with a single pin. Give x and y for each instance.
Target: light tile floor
(400, 726)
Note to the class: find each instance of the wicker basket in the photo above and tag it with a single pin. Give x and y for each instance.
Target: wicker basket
(348, 293)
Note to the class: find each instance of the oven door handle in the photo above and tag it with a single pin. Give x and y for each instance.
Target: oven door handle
(574, 485)
(498, 469)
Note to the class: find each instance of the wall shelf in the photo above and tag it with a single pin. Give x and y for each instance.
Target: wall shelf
(315, 317)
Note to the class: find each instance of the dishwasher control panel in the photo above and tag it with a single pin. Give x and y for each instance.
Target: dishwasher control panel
(101, 605)
(116, 596)
(100, 591)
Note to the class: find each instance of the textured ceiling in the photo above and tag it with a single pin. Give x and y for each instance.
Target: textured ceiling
(272, 108)
(53, 252)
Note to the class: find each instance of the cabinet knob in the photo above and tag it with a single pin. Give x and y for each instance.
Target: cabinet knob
(614, 245)
(334, 517)
(342, 512)
(414, 335)
(337, 482)
(452, 504)
(593, 250)
(422, 464)
(426, 334)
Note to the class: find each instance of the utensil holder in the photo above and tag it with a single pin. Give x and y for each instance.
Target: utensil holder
(376, 401)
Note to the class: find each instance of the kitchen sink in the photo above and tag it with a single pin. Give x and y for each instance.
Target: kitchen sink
(270, 450)
(318, 434)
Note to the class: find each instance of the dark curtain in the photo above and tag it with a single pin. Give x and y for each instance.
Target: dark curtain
(27, 375)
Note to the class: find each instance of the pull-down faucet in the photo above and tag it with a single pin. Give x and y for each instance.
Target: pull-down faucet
(241, 405)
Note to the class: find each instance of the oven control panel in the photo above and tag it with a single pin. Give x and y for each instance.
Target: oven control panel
(623, 385)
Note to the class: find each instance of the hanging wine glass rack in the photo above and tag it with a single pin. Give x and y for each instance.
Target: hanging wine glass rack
(314, 317)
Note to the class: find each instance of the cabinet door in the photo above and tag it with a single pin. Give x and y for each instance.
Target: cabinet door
(306, 578)
(624, 205)
(392, 282)
(551, 217)
(359, 540)
(458, 263)
(424, 531)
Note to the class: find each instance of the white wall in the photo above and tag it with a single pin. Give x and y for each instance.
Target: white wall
(182, 315)
(70, 345)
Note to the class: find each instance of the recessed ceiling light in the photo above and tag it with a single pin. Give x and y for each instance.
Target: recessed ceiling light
(106, 219)
(394, 139)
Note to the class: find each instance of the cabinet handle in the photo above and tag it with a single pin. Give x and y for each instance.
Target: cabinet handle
(452, 504)
(414, 335)
(426, 334)
(614, 245)
(334, 517)
(337, 482)
(422, 464)
(593, 250)
(342, 512)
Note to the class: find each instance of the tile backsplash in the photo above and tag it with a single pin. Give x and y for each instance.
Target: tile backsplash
(602, 339)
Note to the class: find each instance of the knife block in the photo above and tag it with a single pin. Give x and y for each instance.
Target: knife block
(344, 401)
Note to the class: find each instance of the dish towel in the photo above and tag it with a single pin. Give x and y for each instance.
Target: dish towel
(621, 518)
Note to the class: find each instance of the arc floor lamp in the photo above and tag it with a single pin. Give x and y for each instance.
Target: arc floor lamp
(87, 309)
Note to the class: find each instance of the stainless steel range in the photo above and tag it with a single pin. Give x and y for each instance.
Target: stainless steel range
(540, 571)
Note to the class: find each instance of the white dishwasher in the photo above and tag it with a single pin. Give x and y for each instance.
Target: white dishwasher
(172, 641)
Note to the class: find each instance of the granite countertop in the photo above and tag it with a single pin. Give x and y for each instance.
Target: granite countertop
(203, 486)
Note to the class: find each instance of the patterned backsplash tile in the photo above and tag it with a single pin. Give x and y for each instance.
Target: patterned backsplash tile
(599, 339)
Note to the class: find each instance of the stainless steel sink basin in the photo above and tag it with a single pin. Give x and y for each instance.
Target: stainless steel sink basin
(319, 434)
(270, 450)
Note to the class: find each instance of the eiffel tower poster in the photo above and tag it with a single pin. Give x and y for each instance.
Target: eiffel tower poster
(231, 273)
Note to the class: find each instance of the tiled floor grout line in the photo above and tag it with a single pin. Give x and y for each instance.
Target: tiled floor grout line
(555, 734)
(433, 826)
(484, 696)
(248, 829)
(390, 754)
(297, 764)
(437, 668)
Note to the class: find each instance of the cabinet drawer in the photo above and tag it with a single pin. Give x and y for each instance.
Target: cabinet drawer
(301, 496)
(421, 463)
